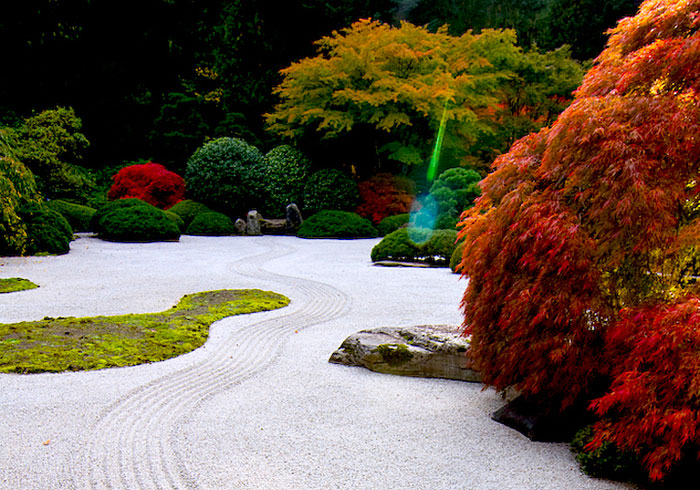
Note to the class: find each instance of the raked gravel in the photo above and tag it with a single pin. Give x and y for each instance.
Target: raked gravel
(258, 406)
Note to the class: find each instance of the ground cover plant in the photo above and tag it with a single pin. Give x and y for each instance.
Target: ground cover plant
(420, 245)
(336, 224)
(133, 220)
(150, 182)
(582, 251)
(12, 284)
(77, 344)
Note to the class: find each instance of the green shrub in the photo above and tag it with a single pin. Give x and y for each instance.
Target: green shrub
(47, 230)
(284, 174)
(211, 224)
(175, 218)
(336, 224)
(455, 190)
(133, 220)
(456, 257)
(188, 209)
(78, 216)
(607, 461)
(392, 223)
(329, 189)
(416, 245)
(224, 175)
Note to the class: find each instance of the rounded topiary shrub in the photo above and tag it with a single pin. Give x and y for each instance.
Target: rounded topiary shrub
(188, 209)
(453, 192)
(133, 220)
(392, 223)
(384, 195)
(416, 245)
(211, 224)
(224, 175)
(284, 174)
(456, 258)
(47, 230)
(175, 218)
(336, 224)
(77, 215)
(329, 189)
(150, 182)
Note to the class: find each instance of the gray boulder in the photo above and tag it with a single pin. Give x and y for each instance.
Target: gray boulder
(293, 218)
(253, 223)
(240, 226)
(428, 351)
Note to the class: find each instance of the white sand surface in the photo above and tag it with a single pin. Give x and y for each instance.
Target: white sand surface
(258, 406)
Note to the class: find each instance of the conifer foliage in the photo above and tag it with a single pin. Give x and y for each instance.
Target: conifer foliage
(582, 252)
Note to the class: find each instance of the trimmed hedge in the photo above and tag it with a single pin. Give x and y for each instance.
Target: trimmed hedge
(47, 230)
(211, 223)
(336, 224)
(392, 223)
(329, 189)
(77, 215)
(133, 220)
(188, 210)
(416, 245)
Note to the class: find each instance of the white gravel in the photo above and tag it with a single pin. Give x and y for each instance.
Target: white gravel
(259, 406)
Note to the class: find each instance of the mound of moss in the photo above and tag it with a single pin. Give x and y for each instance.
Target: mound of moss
(133, 220)
(78, 216)
(211, 224)
(47, 231)
(416, 245)
(12, 284)
(188, 210)
(78, 344)
(392, 223)
(336, 224)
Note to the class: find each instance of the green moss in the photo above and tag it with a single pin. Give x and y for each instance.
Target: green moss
(394, 354)
(78, 344)
(16, 284)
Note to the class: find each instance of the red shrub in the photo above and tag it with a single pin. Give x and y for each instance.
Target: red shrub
(150, 182)
(385, 195)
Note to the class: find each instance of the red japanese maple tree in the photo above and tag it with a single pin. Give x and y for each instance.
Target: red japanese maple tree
(582, 252)
(385, 195)
(150, 182)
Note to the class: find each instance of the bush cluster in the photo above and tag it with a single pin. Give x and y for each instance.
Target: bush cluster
(77, 215)
(47, 230)
(329, 189)
(416, 245)
(284, 173)
(222, 175)
(392, 223)
(211, 223)
(150, 182)
(336, 224)
(133, 220)
(385, 195)
(188, 210)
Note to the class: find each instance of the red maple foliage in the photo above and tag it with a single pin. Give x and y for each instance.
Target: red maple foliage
(150, 182)
(591, 228)
(385, 195)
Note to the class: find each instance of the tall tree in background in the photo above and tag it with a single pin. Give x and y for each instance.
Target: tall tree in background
(583, 254)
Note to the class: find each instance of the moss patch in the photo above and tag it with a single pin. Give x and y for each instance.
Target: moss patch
(16, 284)
(78, 344)
(394, 354)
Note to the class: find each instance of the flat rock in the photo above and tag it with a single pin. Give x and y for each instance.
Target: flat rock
(428, 351)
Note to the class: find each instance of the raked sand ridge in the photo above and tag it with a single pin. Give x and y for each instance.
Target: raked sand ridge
(259, 406)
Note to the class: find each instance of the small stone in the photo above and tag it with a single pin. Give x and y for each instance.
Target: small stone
(240, 226)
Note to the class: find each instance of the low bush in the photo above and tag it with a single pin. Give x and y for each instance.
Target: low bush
(392, 223)
(329, 189)
(284, 173)
(175, 218)
(607, 461)
(47, 230)
(150, 182)
(211, 224)
(456, 258)
(188, 210)
(384, 195)
(336, 224)
(133, 220)
(224, 175)
(77, 215)
(416, 245)
(455, 190)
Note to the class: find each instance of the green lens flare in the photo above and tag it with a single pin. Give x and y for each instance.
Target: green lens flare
(435, 159)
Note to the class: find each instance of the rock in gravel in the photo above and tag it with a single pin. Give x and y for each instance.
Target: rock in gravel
(293, 218)
(240, 226)
(253, 223)
(428, 351)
